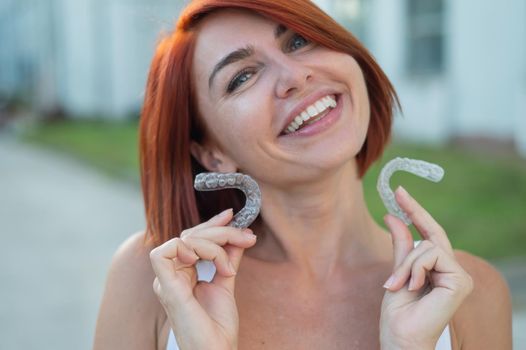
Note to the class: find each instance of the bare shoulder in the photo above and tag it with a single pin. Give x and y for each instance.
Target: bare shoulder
(131, 261)
(484, 319)
(130, 314)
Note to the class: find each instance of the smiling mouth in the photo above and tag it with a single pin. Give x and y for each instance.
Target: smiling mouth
(313, 113)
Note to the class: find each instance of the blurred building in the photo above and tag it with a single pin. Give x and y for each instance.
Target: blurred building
(458, 66)
(86, 57)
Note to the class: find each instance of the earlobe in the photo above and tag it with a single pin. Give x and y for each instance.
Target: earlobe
(201, 155)
(215, 163)
(212, 160)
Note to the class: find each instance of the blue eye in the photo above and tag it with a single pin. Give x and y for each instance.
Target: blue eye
(297, 42)
(239, 79)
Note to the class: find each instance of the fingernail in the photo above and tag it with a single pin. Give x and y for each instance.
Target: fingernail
(389, 282)
(248, 232)
(411, 286)
(224, 213)
(402, 191)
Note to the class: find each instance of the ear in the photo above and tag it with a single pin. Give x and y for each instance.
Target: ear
(212, 159)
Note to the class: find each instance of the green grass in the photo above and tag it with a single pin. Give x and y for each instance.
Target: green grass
(481, 202)
(109, 146)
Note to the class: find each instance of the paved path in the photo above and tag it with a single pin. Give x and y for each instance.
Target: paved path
(60, 223)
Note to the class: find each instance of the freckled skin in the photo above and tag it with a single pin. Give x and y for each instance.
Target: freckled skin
(245, 124)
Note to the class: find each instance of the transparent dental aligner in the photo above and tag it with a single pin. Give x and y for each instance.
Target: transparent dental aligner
(219, 181)
(420, 168)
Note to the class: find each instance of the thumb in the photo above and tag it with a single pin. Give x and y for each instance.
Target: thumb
(402, 238)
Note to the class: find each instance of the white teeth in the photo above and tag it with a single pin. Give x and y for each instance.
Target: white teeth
(312, 111)
(320, 106)
(298, 120)
(306, 117)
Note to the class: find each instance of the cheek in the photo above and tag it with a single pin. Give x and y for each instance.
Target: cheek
(360, 97)
(345, 68)
(239, 125)
(361, 103)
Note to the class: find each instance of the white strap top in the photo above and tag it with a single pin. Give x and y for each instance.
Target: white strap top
(206, 271)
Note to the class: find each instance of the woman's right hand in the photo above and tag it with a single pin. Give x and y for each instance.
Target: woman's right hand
(202, 315)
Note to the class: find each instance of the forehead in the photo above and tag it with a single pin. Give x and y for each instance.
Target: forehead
(227, 30)
(226, 19)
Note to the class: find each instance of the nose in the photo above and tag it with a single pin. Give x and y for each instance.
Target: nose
(293, 76)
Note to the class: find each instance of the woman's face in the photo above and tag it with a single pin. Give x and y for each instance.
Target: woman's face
(253, 77)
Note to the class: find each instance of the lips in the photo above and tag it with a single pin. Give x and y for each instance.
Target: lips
(312, 114)
(316, 105)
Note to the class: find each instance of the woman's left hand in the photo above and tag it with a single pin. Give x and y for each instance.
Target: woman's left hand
(427, 285)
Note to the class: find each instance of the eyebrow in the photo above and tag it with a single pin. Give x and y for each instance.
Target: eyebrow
(241, 54)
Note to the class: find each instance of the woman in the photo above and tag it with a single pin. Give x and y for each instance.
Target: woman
(279, 91)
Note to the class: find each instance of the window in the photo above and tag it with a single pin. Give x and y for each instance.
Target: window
(425, 37)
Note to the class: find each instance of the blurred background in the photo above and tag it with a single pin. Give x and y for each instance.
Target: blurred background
(72, 76)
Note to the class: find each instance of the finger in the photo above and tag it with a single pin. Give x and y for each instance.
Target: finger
(451, 284)
(171, 255)
(427, 257)
(222, 235)
(235, 254)
(401, 236)
(423, 221)
(419, 277)
(221, 219)
(208, 250)
(403, 272)
(421, 268)
(164, 255)
(157, 286)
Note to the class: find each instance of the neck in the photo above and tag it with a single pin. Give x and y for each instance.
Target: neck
(320, 226)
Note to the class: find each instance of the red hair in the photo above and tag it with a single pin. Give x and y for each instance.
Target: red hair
(169, 119)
